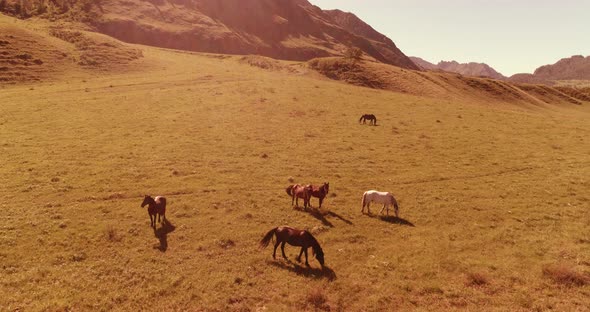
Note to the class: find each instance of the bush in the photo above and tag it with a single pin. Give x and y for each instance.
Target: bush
(353, 53)
(477, 279)
(317, 299)
(565, 275)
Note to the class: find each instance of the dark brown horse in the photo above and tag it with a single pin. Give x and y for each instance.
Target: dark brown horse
(156, 206)
(320, 191)
(370, 117)
(297, 191)
(294, 237)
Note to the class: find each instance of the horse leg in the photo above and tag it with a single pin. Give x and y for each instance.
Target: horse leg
(369, 208)
(300, 253)
(274, 253)
(283, 250)
(306, 262)
(321, 200)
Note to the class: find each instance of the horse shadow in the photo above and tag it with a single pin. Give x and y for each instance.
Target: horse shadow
(309, 272)
(316, 214)
(162, 234)
(333, 214)
(396, 220)
(392, 220)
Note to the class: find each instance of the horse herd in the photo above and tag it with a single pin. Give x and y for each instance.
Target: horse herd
(286, 234)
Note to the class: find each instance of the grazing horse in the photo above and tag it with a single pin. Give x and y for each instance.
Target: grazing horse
(370, 117)
(384, 198)
(320, 191)
(297, 191)
(294, 237)
(156, 206)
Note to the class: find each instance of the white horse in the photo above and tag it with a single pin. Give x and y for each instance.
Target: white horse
(384, 198)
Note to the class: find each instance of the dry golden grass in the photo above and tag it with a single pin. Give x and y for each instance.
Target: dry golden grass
(566, 275)
(482, 188)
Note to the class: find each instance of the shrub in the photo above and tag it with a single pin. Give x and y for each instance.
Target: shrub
(477, 279)
(317, 299)
(353, 53)
(565, 275)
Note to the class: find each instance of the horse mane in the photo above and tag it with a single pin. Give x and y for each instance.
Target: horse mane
(289, 189)
(315, 245)
(394, 202)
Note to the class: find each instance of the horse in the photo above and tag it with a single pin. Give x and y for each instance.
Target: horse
(156, 206)
(294, 237)
(320, 191)
(384, 198)
(370, 117)
(297, 191)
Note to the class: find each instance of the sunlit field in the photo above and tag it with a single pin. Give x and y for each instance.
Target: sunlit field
(494, 203)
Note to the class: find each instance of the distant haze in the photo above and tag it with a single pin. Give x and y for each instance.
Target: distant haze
(511, 36)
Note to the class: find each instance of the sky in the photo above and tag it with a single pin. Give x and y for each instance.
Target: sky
(512, 36)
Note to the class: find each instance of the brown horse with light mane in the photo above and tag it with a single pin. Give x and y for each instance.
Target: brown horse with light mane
(156, 207)
(297, 191)
(320, 191)
(294, 237)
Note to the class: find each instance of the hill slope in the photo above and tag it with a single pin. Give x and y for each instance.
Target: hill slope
(445, 85)
(41, 50)
(468, 69)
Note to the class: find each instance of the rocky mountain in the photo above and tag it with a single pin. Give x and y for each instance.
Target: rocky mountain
(356, 26)
(282, 29)
(467, 69)
(576, 67)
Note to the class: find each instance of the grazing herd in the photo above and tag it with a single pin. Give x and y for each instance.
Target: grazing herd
(286, 234)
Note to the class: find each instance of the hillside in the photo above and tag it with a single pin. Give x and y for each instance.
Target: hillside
(41, 51)
(467, 69)
(384, 45)
(443, 85)
(287, 29)
(576, 67)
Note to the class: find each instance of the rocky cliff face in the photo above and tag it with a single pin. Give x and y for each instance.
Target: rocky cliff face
(284, 29)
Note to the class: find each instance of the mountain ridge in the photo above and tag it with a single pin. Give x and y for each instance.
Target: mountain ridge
(287, 29)
(576, 67)
(467, 69)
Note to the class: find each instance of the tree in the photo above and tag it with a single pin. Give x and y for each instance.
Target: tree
(353, 53)
(2, 5)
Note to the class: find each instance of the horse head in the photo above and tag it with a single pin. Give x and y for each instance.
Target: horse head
(146, 200)
(326, 187)
(319, 254)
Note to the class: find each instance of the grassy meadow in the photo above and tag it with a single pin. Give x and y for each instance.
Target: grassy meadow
(494, 200)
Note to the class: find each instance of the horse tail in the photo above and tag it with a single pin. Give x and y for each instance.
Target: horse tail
(289, 189)
(364, 198)
(267, 238)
